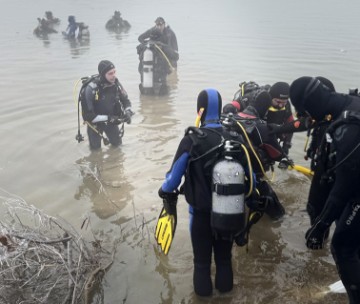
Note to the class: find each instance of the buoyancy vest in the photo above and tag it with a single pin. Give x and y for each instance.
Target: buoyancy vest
(103, 100)
(261, 138)
(207, 148)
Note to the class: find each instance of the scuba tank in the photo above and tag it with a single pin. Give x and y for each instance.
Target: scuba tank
(228, 216)
(148, 63)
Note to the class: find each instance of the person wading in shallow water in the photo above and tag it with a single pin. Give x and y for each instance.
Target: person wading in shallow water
(105, 105)
(196, 159)
(341, 146)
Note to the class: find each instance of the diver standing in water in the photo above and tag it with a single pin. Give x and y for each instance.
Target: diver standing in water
(280, 113)
(158, 56)
(319, 190)
(71, 29)
(105, 105)
(341, 145)
(166, 36)
(211, 230)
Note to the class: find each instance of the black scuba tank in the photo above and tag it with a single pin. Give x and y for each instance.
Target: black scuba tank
(228, 198)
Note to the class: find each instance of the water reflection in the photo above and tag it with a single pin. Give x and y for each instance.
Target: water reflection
(43, 31)
(45, 40)
(78, 47)
(104, 183)
(118, 34)
(172, 81)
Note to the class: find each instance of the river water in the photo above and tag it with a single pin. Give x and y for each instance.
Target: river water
(221, 43)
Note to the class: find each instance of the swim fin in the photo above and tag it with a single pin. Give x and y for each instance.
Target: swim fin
(302, 169)
(165, 230)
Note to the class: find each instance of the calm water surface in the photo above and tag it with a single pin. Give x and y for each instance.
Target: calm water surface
(221, 44)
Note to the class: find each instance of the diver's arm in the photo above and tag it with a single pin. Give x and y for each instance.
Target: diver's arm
(124, 99)
(144, 36)
(300, 125)
(178, 167)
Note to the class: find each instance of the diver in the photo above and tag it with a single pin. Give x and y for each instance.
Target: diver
(267, 149)
(280, 113)
(319, 190)
(154, 64)
(166, 36)
(43, 28)
(72, 28)
(84, 33)
(51, 20)
(196, 158)
(105, 105)
(116, 23)
(341, 147)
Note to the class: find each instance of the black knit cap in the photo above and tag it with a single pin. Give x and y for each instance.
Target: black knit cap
(104, 67)
(280, 90)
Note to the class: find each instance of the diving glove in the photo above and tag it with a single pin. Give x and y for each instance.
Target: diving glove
(166, 225)
(127, 116)
(316, 235)
(169, 201)
(114, 119)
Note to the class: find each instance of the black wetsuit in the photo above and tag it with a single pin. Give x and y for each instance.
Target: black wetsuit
(198, 193)
(343, 166)
(168, 41)
(104, 99)
(343, 205)
(197, 189)
(280, 117)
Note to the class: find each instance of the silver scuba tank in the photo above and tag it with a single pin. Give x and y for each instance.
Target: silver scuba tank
(148, 64)
(228, 198)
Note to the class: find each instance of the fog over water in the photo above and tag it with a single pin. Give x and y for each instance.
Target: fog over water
(221, 43)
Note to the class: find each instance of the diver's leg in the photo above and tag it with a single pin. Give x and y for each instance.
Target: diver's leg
(201, 239)
(224, 272)
(94, 139)
(345, 248)
(112, 131)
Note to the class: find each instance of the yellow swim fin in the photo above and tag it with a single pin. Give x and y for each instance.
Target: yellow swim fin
(301, 169)
(165, 230)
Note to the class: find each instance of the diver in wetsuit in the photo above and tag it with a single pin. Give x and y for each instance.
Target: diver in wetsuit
(342, 148)
(319, 190)
(196, 152)
(280, 113)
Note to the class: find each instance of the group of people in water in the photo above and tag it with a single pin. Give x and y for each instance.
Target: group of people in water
(245, 132)
(247, 137)
(225, 157)
(77, 30)
(158, 48)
